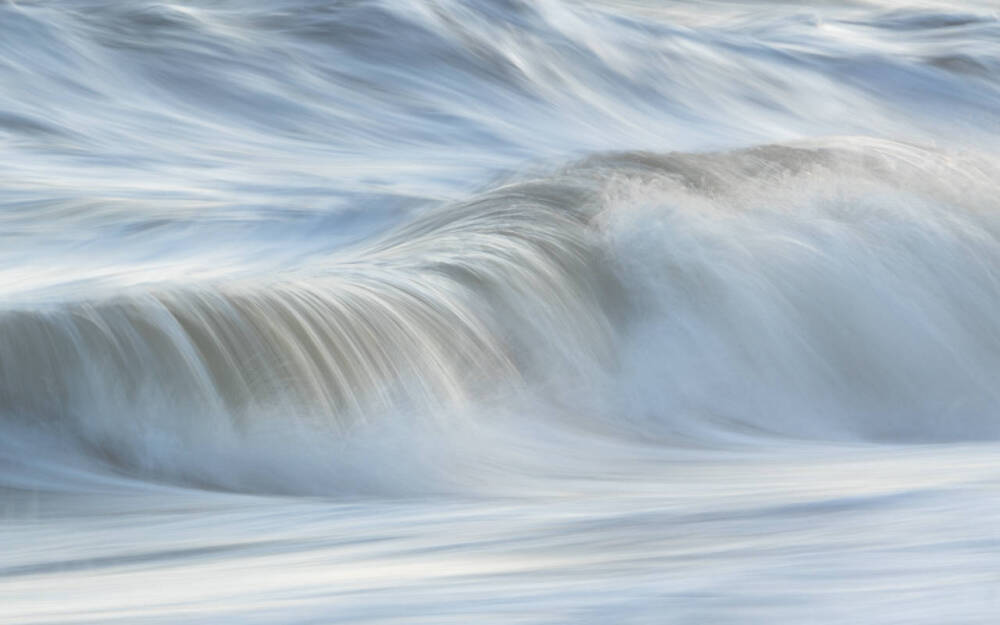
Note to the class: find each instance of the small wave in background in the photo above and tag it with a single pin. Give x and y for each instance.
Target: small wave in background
(451, 311)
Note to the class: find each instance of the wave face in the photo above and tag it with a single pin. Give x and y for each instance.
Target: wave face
(732, 267)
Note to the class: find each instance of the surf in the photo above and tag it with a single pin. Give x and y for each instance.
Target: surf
(838, 290)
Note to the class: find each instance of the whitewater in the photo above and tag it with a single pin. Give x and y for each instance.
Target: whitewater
(496, 311)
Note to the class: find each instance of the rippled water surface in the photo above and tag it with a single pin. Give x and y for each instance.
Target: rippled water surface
(444, 311)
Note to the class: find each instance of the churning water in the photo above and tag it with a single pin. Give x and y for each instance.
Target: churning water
(483, 311)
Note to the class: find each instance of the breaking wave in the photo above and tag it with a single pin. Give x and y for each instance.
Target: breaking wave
(836, 290)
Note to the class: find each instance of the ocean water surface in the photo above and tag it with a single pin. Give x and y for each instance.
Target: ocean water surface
(497, 311)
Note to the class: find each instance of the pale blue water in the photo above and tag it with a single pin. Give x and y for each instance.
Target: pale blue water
(458, 312)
